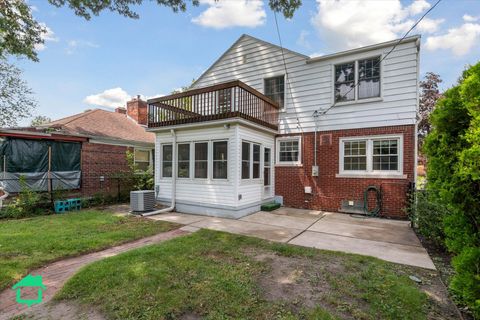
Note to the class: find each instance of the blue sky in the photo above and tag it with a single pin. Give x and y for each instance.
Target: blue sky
(104, 61)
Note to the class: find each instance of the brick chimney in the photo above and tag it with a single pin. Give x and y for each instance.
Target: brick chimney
(137, 110)
(121, 110)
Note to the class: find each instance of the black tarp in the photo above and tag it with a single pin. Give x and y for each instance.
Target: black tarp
(29, 159)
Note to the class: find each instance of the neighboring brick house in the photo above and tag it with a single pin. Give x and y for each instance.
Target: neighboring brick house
(105, 137)
(246, 130)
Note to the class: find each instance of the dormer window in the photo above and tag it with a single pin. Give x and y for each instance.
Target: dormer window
(366, 72)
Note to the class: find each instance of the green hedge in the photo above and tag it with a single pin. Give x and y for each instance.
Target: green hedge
(453, 171)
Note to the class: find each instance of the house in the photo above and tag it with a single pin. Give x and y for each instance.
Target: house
(264, 122)
(84, 152)
(31, 282)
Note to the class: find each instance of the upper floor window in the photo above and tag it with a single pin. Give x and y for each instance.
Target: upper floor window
(274, 88)
(366, 72)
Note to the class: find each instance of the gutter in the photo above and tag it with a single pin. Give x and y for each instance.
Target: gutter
(174, 180)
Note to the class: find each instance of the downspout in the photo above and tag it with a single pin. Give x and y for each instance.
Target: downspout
(174, 180)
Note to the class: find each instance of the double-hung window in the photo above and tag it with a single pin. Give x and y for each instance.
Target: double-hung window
(245, 160)
(357, 80)
(167, 160)
(380, 155)
(288, 151)
(220, 160)
(274, 88)
(183, 160)
(201, 160)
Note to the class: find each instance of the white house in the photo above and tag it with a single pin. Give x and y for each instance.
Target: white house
(263, 121)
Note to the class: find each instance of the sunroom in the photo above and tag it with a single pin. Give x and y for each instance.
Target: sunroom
(214, 149)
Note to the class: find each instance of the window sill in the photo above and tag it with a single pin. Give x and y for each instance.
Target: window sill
(288, 165)
(371, 175)
(346, 103)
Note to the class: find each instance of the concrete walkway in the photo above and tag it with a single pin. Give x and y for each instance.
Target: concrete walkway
(56, 274)
(389, 240)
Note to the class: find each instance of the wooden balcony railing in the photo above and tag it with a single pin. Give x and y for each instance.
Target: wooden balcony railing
(226, 100)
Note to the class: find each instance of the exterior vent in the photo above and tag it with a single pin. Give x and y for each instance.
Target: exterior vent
(325, 139)
(141, 201)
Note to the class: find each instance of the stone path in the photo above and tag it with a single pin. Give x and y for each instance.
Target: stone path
(57, 273)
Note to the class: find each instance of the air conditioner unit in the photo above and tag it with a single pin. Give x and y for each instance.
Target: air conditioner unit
(141, 201)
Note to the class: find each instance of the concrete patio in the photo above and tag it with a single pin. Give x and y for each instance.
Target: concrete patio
(389, 240)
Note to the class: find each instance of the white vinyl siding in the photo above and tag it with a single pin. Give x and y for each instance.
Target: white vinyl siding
(312, 85)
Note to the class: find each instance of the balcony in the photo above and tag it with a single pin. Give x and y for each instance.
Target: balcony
(232, 99)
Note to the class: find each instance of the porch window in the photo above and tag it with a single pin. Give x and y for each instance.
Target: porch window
(274, 88)
(201, 160)
(256, 161)
(183, 160)
(380, 155)
(167, 161)
(288, 151)
(245, 160)
(267, 164)
(220, 160)
(142, 159)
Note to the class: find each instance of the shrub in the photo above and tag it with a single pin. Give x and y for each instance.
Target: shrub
(453, 171)
(27, 203)
(427, 215)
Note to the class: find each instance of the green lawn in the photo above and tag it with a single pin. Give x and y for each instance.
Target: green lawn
(29, 243)
(216, 275)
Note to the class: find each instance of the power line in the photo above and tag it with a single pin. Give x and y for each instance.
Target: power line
(299, 125)
(383, 58)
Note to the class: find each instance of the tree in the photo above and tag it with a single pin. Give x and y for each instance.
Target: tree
(429, 96)
(16, 101)
(453, 151)
(21, 33)
(39, 120)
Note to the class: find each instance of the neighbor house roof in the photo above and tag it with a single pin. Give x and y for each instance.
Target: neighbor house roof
(102, 124)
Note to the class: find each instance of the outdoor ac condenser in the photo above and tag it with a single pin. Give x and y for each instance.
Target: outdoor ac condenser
(141, 201)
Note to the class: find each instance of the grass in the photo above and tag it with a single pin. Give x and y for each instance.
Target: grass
(216, 275)
(30, 243)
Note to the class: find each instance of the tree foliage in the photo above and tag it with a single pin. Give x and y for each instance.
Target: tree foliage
(39, 120)
(16, 101)
(429, 96)
(453, 151)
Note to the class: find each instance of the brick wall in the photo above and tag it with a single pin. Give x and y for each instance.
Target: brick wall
(102, 160)
(328, 190)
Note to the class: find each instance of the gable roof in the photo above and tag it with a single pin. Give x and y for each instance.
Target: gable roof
(30, 281)
(246, 36)
(98, 123)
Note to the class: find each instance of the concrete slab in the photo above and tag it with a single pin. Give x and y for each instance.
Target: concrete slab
(189, 228)
(180, 218)
(392, 233)
(263, 231)
(293, 212)
(409, 255)
(281, 220)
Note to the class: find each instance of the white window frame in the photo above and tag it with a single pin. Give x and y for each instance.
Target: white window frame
(267, 190)
(277, 152)
(285, 88)
(369, 172)
(211, 160)
(356, 99)
(160, 160)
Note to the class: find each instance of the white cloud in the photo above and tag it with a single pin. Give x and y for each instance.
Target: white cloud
(115, 97)
(302, 39)
(346, 24)
(469, 18)
(232, 13)
(460, 40)
(47, 36)
(428, 25)
(418, 6)
(316, 54)
(73, 45)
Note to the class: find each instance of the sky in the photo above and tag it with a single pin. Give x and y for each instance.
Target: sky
(103, 62)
